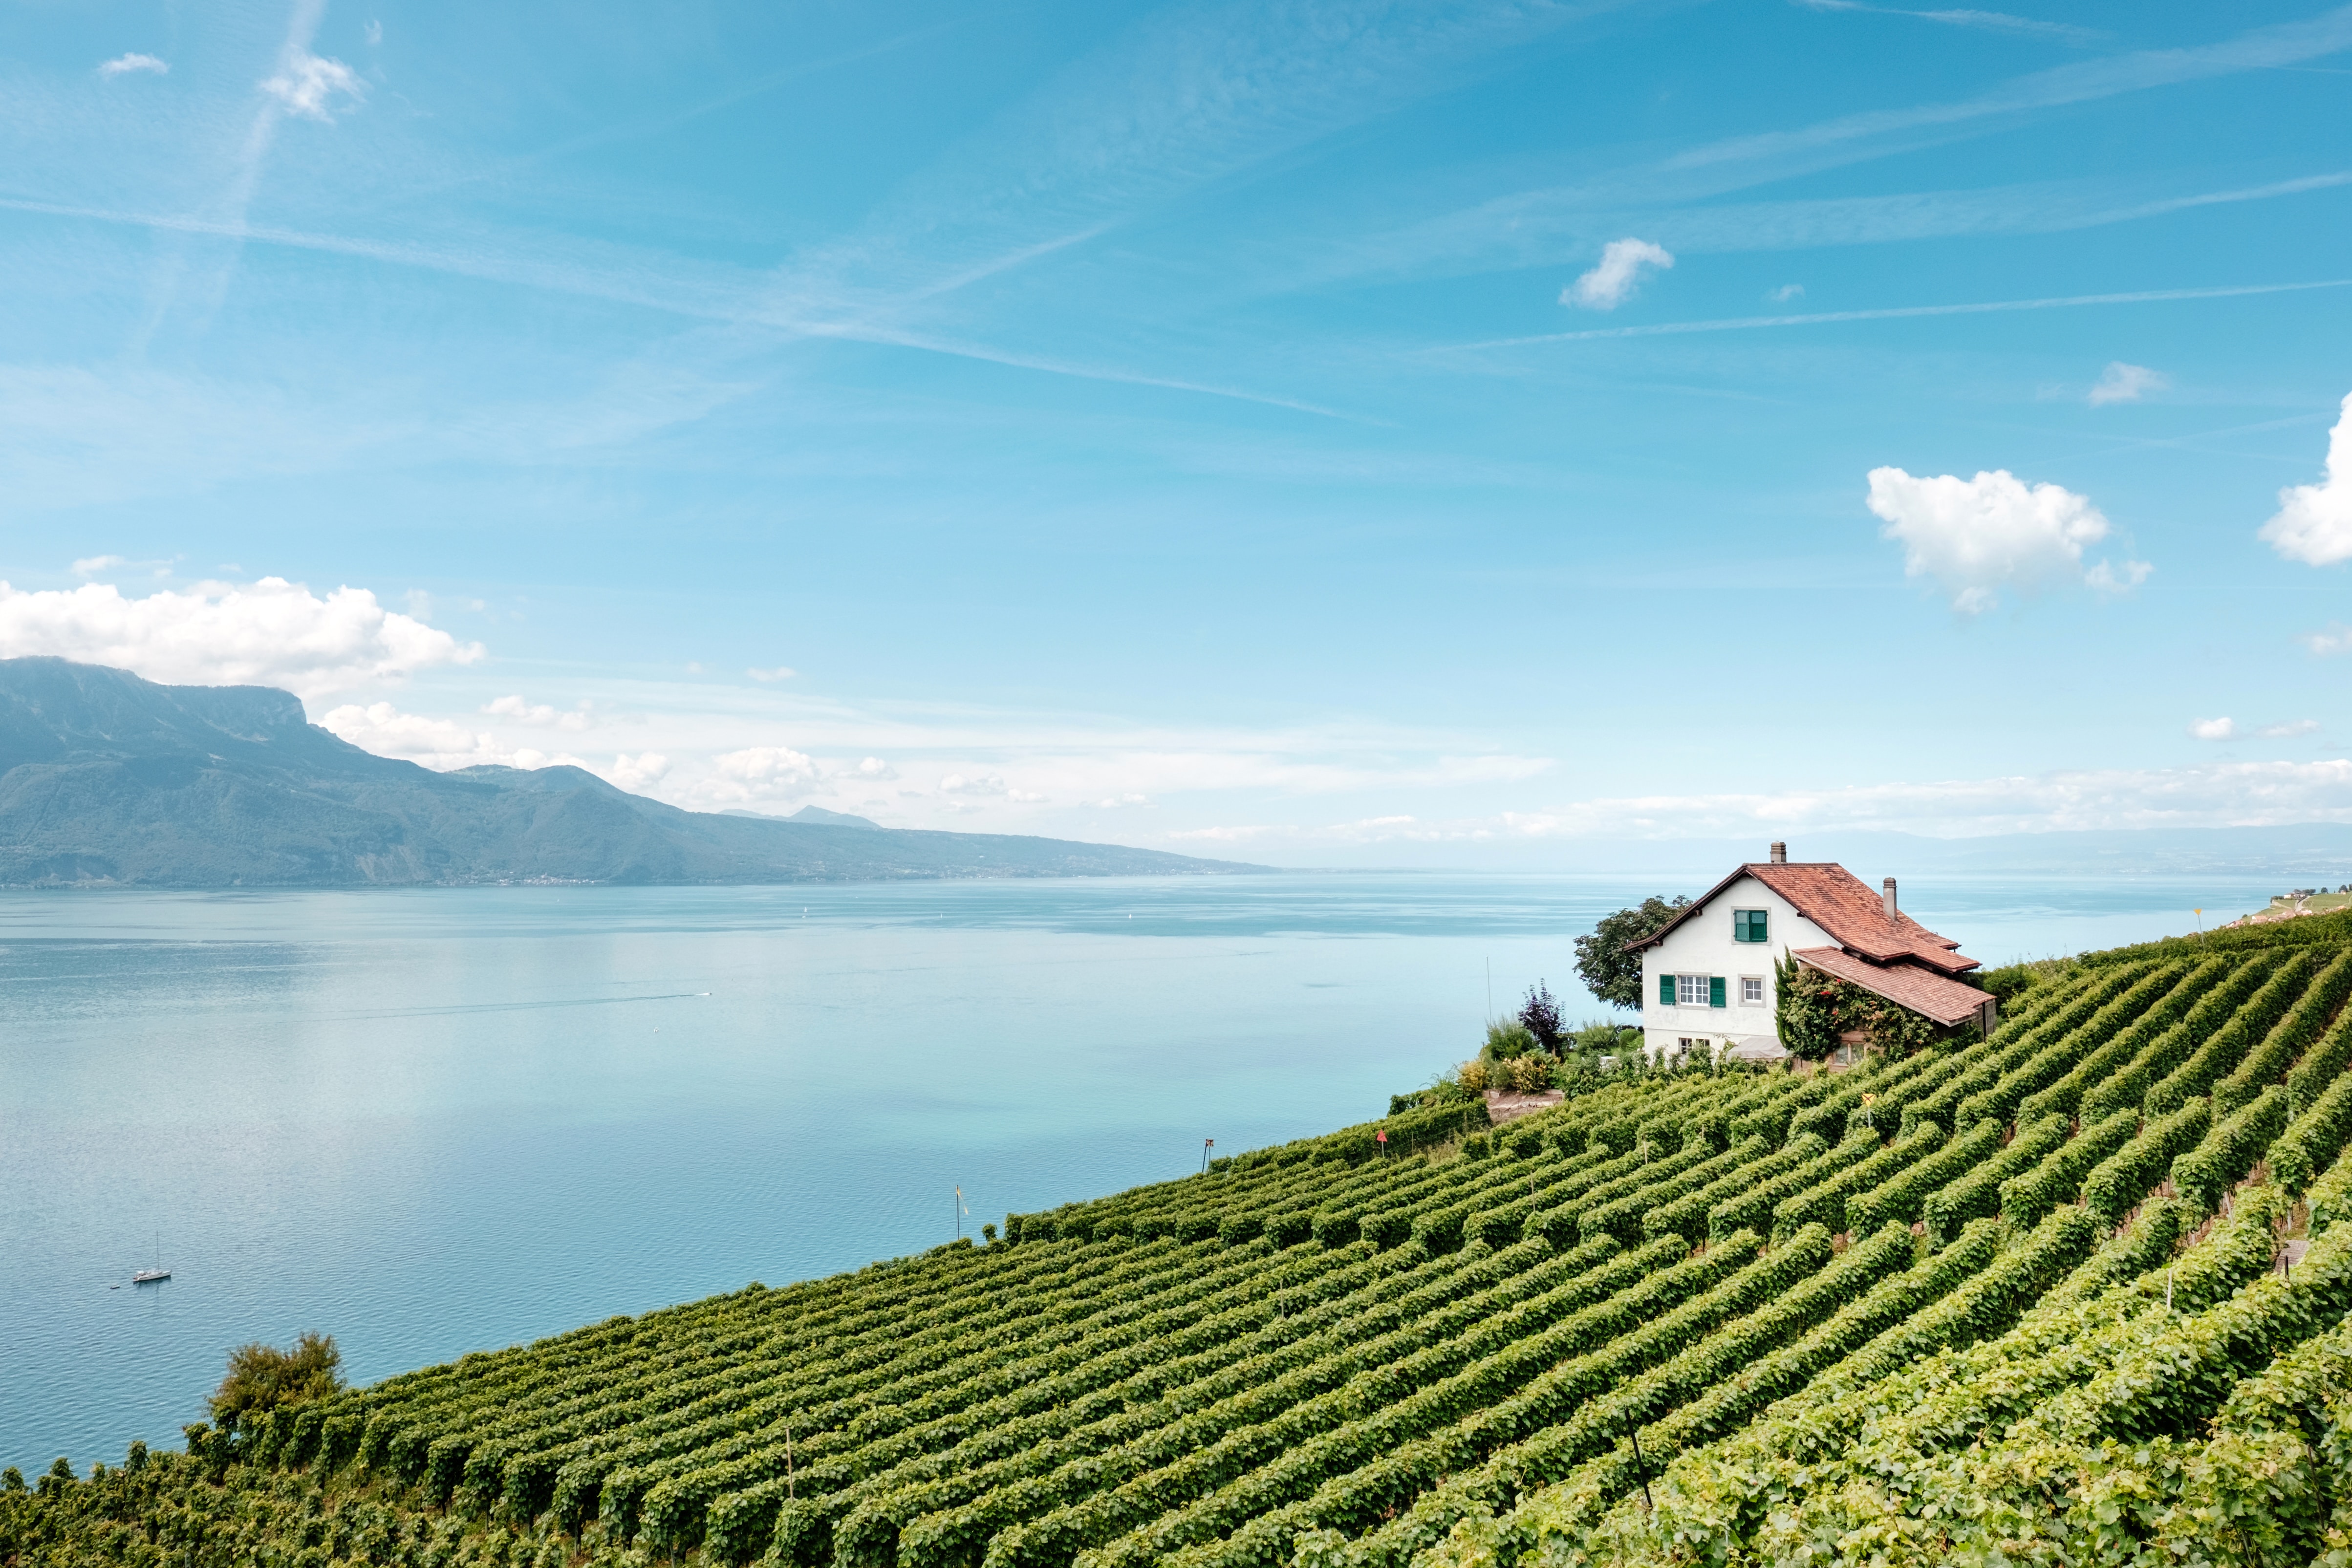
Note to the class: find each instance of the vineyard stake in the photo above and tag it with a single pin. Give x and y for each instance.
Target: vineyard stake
(788, 1465)
(1640, 1468)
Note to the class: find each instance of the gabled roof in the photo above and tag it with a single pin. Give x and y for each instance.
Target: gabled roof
(1906, 984)
(1834, 899)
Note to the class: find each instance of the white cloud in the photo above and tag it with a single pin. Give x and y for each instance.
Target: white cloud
(2235, 794)
(2314, 521)
(781, 673)
(635, 774)
(2125, 383)
(1226, 835)
(91, 565)
(1978, 535)
(308, 83)
(875, 769)
(764, 773)
(2334, 638)
(1786, 292)
(2227, 729)
(2105, 577)
(1612, 283)
(128, 65)
(1026, 797)
(1114, 802)
(539, 714)
(957, 784)
(270, 632)
(436, 743)
(374, 32)
(443, 744)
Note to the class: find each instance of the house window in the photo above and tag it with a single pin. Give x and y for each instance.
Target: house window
(1699, 990)
(1751, 990)
(1747, 924)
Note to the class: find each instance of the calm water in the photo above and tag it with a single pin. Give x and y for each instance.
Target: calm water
(431, 1122)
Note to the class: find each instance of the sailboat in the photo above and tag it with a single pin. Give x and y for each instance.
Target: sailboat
(157, 1274)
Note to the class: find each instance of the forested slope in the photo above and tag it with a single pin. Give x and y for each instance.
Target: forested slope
(2028, 1299)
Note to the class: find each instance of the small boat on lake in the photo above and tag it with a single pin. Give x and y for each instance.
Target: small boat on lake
(156, 1274)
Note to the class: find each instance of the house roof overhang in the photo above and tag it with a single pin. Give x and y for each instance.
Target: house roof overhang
(1909, 985)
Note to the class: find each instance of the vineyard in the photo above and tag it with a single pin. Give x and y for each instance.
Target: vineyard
(2073, 1293)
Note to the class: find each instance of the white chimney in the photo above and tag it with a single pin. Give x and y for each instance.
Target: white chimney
(1886, 897)
(1779, 853)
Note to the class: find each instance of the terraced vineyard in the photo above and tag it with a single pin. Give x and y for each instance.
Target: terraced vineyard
(2034, 1298)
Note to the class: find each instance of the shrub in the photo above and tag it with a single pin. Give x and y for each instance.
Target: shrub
(1526, 1074)
(1539, 1014)
(262, 1378)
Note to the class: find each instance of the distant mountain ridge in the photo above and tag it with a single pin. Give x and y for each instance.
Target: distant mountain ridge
(106, 779)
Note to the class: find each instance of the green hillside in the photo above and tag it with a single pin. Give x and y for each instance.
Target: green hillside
(2074, 1294)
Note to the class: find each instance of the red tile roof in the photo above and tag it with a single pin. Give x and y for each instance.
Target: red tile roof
(1906, 983)
(1834, 899)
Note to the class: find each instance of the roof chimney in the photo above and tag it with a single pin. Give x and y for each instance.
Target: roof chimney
(1779, 853)
(1886, 897)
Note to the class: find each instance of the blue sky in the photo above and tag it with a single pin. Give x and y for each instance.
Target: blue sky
(1325, 434)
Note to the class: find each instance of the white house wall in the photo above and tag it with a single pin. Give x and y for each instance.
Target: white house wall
(1702, 945)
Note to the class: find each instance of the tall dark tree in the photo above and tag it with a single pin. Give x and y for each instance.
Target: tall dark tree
(1608, 971)
(1540, 1013)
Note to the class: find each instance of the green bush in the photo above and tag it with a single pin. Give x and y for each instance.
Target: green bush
(262, 1378)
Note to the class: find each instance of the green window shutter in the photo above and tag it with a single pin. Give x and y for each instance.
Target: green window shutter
(1665, 990)
(1715, 997)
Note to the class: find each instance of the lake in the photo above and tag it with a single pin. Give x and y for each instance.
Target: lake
(428, 1121)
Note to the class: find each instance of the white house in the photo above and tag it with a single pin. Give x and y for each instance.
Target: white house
(1707, 975)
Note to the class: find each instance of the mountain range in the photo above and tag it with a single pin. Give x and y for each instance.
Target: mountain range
(106, 779)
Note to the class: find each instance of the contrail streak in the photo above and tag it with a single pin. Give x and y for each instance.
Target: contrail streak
(1823, 318)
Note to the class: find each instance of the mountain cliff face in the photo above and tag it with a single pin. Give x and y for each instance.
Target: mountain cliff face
(109, 779)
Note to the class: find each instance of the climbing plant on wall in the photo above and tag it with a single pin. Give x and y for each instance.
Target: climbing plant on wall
(1814, 1009)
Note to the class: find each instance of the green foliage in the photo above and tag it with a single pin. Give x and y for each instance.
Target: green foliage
(262, 1378)
(2229, 1150)
(1812, 1011)
(2313, 1140)
(1975, 1194)
(2228, 1045)
(2333, 931)
(1507, 1038)
(2126, 1177)
(1320, 1353)
(1608, 971)
(2010, 982)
